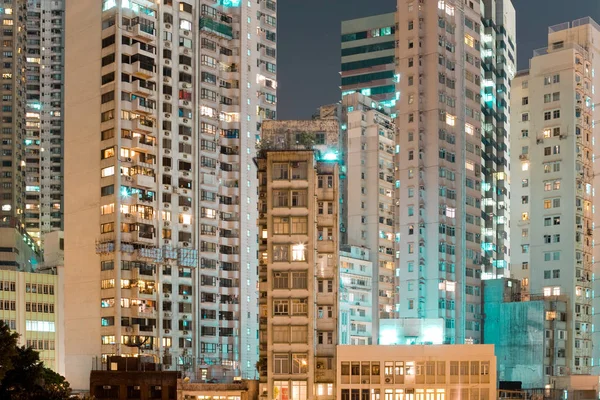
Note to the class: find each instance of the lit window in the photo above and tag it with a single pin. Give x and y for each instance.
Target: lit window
(525, 216)
(525, 166)
(450, 212)
(469, 40)
(450, 119)
(469, 129)
(556, 291)
(470, 166)
(108, 171)
(299, 252)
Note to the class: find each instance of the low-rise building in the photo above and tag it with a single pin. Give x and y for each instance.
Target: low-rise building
(29, 295)
(532, 344)
(355, 302)
(428, 372)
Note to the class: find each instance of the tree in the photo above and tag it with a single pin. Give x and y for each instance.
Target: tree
(8, 348)
(25, 377)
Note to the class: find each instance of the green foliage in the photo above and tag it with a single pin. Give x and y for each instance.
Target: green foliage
(23, 375)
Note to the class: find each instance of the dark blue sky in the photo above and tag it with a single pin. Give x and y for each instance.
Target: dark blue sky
(308, 43)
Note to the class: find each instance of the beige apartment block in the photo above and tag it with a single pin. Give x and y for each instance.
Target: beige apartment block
(417, 372)
(298, 273)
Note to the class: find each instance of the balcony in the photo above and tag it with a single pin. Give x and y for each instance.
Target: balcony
(142, 88)
(215, 28)
(143, 70)
(142, 32)
(141, 48)
(142, 125)
(142, 106)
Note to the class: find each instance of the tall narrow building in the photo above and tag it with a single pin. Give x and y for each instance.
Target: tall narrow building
(12, 116)
(368, 54)
(299, 276)
(444, 180)
(165, 105)
(554, 181)
(370, 148)
(43, 143)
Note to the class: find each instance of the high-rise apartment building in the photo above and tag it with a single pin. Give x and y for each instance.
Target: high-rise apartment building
(554, 178)
(442, 172)
(44, 116)
(12, 127)
(299, 281)
(165, 104)
(498, 60)
(368, 54)
(372, 193)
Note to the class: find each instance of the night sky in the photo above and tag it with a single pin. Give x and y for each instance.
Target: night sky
(308, 43)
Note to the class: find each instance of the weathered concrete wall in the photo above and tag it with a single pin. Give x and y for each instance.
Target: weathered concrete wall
(517, 332)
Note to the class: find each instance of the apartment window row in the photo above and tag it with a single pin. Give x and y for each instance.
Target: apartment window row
(554, 114)
(290, 363)
(288, 225)
(12, 324)
(39, 288)
(290, 334)
(290, 280)
(552, 274)
(8, 286)
(8, 305)
(290, 198)
(290, 252)
(40, 344)
(285, 307)
(39, 307)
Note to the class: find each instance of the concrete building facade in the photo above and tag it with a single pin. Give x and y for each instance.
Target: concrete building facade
(416, 372)
(30, 299)
(372, 193)
(355, 296)
(554, 179)
(299, 277)
(12, 119)
(44, 117)
(532, 341)
(368, 53)
(448, 190)
(165, 105)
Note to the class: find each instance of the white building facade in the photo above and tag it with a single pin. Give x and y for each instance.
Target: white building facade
(44, 117)
(355, 302)
(166, 102)
(553, 144)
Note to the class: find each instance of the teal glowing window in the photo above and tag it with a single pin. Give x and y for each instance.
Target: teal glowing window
(369, 48)
(352, 80)
(367, 63)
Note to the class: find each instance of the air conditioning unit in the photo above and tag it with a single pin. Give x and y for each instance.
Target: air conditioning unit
(186, 209)
(167, 44)
(167, 115)
(167, 62)
(167, 151)
(319, 365)
(186, 244)
(167, 97)
(185, 121)
(185, 317)
(186, 138)
(185, 332)
(167, 295)
(166, 241)
(167, 26)
(388, 380)
(186, 297)
(167, 205)
(186, 103)
(128, 216)
(129, 159)
(364, 381)
(166, 79)
(167, 223)
(277, 274)
(167, 169)
(129, 178)
(186, 68)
